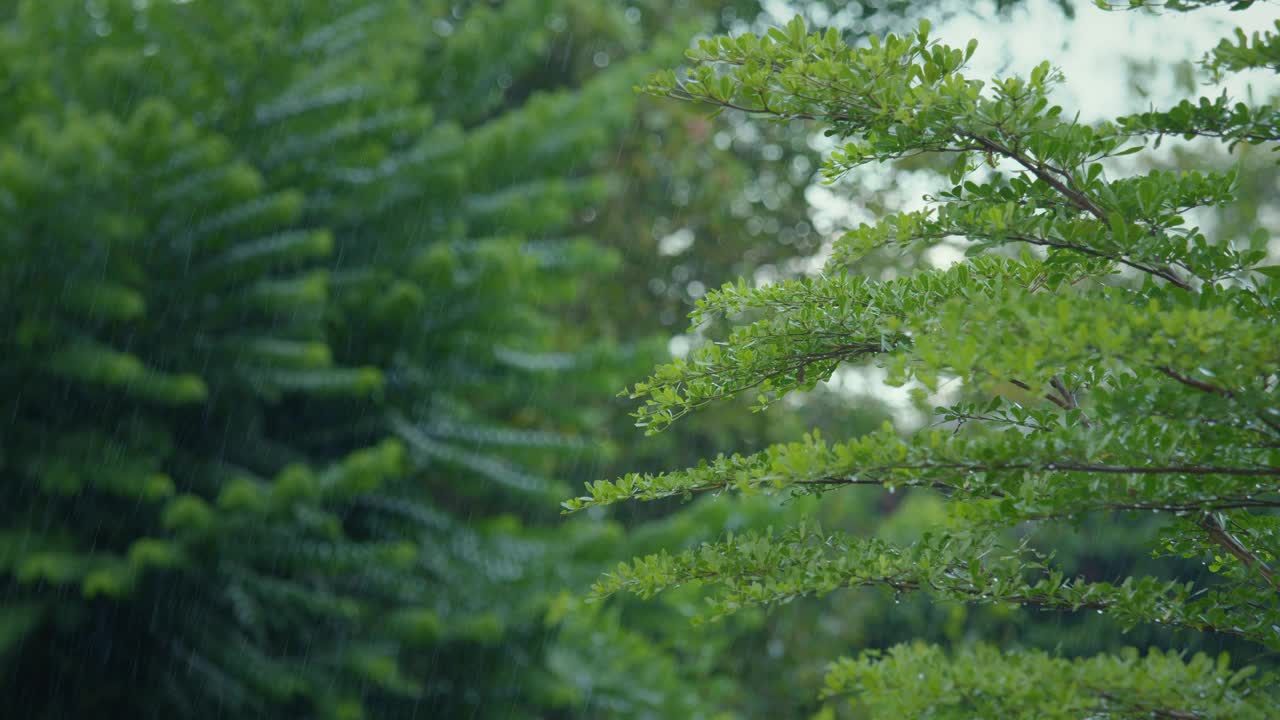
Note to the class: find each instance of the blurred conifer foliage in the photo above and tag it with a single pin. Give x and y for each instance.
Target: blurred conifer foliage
(1118, 361)
(277, 304)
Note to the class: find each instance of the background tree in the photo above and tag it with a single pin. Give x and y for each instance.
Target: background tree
(1143, 380)
(278, 307)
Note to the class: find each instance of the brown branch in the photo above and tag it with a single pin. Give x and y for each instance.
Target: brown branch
(1084, 250)
(1212, 389)
(1041, 171)
(1068, 397)
(1197, 384)
(1212, 525)
(1079, 199)
(970, 591)
(878, 476)
(1067, 401)
(1104, 469)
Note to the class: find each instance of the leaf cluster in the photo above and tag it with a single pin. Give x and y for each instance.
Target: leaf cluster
(1114, 359)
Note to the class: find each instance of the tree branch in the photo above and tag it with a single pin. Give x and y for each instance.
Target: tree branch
(1079, 199)
(1212, 389)
(1212, 525)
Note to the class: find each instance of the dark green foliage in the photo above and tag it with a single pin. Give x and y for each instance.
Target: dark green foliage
(919, 680)
(275, 309)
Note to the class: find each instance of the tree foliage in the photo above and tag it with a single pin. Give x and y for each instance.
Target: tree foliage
(1115, 357)
(278, 309)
